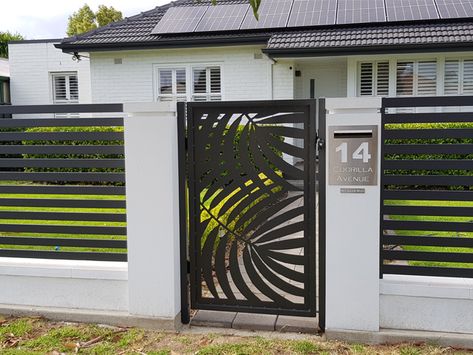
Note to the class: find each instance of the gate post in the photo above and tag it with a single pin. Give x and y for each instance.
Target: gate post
(151, 152)
(352, 151)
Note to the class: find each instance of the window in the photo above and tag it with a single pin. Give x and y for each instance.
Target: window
(458, 77)
(172, 84)
(65, 88)
(190, 83)
(416, 78)
(206, 84)
(374, 79)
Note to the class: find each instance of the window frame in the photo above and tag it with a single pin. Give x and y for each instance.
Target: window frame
(67, 75)
(189, 67)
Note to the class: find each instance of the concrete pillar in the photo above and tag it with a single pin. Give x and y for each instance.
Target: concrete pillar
(352, 230)
(152, 209)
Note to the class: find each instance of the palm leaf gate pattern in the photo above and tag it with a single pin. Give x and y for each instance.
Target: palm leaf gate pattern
(252, 206)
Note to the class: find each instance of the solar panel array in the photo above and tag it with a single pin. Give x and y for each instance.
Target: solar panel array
(223, 18)
(275, 14)
(272, 14)
(313, 13)
(360, 11)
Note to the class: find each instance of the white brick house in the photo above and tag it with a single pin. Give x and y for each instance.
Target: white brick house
(41, 74)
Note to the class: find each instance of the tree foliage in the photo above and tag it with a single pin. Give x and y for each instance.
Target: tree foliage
(85, 19)
(5, 37)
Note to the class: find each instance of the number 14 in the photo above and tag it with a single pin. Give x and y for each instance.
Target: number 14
(361, 153)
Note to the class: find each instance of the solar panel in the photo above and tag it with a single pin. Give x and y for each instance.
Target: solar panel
(180, 19)
(223, 18)
(359, 11)
(272, 14)
(312, 13)
(455, 8)
(405, 10)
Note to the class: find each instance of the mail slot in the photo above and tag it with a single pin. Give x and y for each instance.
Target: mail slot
(353, 134)
(353, 155)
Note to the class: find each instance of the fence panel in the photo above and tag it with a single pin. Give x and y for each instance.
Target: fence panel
(62, 183)
(427, 186)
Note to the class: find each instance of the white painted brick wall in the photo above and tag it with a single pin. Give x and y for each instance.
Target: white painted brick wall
(31, 65)
(243, 76)
(283, 80)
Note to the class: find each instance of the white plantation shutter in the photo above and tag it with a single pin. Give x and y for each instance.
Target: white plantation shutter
(426, 78)
(452, 77)
(65, 88)
(416, 78)
(207, 84)
(172, 84)
(467, 77)
(374, 79)
(366, 79)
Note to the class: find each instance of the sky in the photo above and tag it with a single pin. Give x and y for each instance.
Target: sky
(40, 19)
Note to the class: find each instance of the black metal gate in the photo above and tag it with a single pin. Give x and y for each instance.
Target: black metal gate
(251, 198)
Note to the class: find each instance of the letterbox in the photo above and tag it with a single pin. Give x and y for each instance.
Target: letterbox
(353, 152)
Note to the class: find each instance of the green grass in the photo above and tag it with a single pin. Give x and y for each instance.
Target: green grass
(21, 336)
(434, 233)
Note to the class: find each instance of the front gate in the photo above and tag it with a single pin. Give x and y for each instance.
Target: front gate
(251, 183)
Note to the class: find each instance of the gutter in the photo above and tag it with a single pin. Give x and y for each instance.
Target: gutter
(163, 44)
(357, 50)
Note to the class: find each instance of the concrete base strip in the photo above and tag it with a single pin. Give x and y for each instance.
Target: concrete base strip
(119, 319)
(393, 336)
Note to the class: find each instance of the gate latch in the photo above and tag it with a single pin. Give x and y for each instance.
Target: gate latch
(320, 143)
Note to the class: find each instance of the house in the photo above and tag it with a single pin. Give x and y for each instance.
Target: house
(41, 74)
(4, 82)
(189, 50)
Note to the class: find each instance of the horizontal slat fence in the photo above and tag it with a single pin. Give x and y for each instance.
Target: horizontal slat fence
(427, 186)
(62, 183)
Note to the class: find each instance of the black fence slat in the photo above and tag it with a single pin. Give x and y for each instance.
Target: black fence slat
(63, 177)
(428, 149)
(66, 203)
(65, 108)
(444, 117)
(61, 122)
(428, 256)
(428, 133)
(64, 242)
(63, 216)
(427, 101)
(63, 190)
(434, 180)
(451, 242)
(61, 136)
(427, 164)
(62, 149)
(60, 229)
(427, 271)
(428, 211)
(427, 195)
(428, 226)
(63, 163)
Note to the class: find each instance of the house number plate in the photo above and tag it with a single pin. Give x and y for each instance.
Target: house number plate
(353, 155)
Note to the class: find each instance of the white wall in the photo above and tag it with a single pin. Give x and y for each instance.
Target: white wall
(246, 73)
(330, 75)
(31, 65)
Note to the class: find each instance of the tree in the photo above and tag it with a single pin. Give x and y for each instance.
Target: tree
(85, 19)
(106, 15)
(5, 37)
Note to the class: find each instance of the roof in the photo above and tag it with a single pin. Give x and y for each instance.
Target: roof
(4, 68)
(135, 33)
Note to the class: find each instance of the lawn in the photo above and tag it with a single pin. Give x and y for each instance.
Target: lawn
(36, 336)
(439, 234)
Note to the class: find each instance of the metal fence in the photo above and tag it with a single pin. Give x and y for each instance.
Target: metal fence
(427, 179)
(62, 183)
